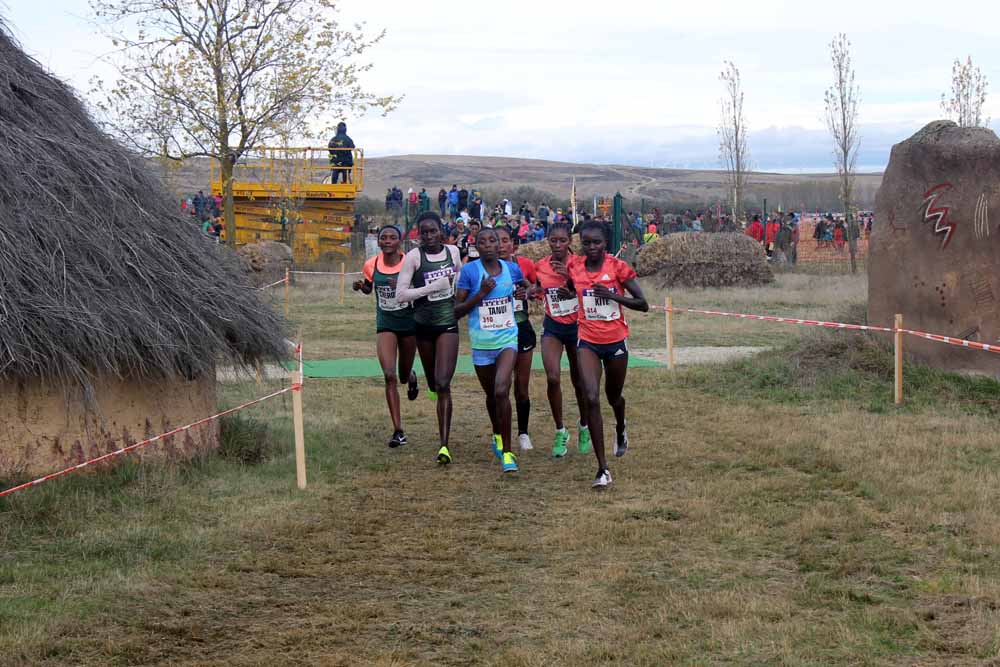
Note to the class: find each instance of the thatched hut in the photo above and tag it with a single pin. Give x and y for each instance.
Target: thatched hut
(114, 310)
(703, 259)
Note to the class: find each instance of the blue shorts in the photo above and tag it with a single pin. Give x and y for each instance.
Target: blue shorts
(489, 357)
(564, 333)
(608, 351)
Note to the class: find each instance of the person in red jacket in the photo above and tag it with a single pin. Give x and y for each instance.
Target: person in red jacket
(755, 230)
(770, 232)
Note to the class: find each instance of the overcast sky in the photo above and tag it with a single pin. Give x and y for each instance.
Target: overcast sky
(634, 82)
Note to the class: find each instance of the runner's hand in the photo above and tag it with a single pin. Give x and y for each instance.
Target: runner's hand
(560, 268)
(565, 294)
(487, 285)
(358, 284)
(604, 293)
(521, 293)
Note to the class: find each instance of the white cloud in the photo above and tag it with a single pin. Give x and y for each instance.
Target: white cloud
(633, 81)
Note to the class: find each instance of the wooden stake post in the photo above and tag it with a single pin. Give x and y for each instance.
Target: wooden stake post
(343, 281)
(898, 338)
(288, 282)
(669, 302)
(300, 435)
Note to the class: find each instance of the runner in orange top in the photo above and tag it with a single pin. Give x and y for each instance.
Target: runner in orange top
(395, 343)
(559, 332)
(600, 282)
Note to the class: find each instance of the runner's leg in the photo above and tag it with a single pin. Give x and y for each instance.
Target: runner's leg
(590, 377)
(385, 347)
(522, 378)
(574, 375)
(501, 393)
(552, 349)
(427, 350)
(613, 386)
(487, 380)
(407, 352)
(446, 357)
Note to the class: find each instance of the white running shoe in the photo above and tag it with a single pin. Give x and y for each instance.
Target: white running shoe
(603, 480)
(524, 442)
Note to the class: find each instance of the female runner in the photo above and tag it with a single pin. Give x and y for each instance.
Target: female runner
(485, 293)
(394, 334)
(526, 338)
(427, 280)
(600, 282)
(559, 332)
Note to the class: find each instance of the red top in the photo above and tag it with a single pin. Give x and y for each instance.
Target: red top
(772, 230)
(756, 231)
(551, 282)
(601, 320)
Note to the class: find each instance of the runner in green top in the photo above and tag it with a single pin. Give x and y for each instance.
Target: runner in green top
(394, 333)
(427, 280)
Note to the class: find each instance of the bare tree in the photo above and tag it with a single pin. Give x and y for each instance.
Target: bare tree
(968, 95)
(733, 152)
(215, 78)
(841, 118)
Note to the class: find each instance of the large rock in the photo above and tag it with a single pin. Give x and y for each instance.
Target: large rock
(935, 247)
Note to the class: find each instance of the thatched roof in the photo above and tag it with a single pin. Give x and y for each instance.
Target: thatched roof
(99, 273)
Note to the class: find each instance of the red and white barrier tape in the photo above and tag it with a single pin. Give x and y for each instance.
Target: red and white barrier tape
(329, 273)
(148, 441)
(280, 282)
(960, 342)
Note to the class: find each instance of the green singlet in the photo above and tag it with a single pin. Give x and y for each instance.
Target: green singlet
(390, 315)
(438, 308)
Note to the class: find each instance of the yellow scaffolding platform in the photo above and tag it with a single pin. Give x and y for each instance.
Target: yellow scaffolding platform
(297, 196)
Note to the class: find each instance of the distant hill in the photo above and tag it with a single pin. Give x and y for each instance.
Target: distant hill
(499, 175)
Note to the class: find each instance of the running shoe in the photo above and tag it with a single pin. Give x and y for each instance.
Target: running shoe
(509, 462)
(603, 479)
(412, 390)
(583, 439)
(559, 446)
(524, 442)
(444, 456)
(433, 395)
(498, 447)
(621, 443)
(398, 439)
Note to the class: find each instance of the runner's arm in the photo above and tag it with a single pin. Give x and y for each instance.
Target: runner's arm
(636, 300)
(404, 284)
(464, 304)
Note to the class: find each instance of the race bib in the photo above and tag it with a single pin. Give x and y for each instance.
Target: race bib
(473, 252)
(596, 308)
(560, 307)
(446, 293)
(518, 305)
(387, 298)
(496, 314)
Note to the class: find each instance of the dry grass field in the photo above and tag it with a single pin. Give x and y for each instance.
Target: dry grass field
(773, 511)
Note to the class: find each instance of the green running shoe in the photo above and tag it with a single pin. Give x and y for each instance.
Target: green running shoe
(498, 447)
(433, 395)
(559, 446)
(583, 439)
(509, 462)
(444, 456)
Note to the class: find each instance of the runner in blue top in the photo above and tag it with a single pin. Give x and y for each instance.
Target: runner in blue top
(485, 291)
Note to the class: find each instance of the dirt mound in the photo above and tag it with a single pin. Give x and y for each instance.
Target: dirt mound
(265, 261)
(700, 259)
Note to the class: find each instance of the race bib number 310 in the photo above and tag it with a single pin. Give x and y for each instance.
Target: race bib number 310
(597, 308)
(496, 314)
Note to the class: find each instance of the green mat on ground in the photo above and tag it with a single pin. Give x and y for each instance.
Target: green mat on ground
(361, 368)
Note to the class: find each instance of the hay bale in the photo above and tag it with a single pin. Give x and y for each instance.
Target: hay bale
(265, 261)
(536, 250)
(701, 259)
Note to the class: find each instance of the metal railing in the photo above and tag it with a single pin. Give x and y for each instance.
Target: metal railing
(296, 170)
